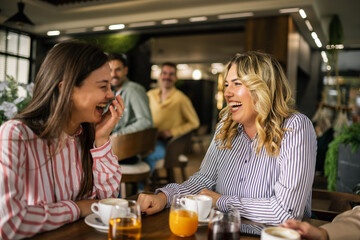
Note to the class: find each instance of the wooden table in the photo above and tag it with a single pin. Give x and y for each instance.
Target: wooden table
(153, 227)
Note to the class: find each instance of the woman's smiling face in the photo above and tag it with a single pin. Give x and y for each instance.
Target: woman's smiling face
(90, 99)
(237, 96)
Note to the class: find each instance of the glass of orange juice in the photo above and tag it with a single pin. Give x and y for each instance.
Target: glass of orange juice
(125, 222)
(182, 222)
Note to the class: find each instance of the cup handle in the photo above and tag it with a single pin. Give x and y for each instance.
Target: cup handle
(95, 208)
(182, 202)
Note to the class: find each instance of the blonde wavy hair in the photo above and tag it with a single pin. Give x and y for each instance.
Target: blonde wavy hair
(264, 77)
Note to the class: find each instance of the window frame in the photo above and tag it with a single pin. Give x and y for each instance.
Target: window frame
(6, 54)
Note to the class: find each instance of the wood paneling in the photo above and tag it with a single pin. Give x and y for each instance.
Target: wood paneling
(270, 35)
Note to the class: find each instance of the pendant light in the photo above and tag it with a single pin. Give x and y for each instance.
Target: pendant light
(20, 18)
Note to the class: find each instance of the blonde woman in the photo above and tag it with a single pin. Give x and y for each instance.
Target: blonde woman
(262, 157)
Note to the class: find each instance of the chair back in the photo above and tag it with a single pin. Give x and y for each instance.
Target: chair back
(132, 144)
(326, 204)
(175, 147)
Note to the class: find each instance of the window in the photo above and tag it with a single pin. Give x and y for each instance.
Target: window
(15, 55)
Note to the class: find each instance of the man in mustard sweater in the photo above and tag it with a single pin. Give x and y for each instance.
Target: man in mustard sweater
(172, 112)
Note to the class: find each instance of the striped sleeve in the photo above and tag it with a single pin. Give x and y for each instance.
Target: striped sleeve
(205, 178)
(19, 219)
(292, 190)
(106, 171)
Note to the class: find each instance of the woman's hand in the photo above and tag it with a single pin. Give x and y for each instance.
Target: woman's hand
(109, 121)
(306, 230)
(85, 206)
(215, 196)
(150, 203)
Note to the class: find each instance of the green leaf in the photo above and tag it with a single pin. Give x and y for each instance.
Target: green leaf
(348, 135)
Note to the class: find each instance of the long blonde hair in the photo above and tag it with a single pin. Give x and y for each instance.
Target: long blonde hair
(271, 95)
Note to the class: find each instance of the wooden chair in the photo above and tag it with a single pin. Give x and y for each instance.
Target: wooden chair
(138, 144)
(199, 137)
(174, 157)
(326, 204)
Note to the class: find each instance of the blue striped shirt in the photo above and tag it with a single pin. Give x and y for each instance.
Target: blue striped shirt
(265, 189)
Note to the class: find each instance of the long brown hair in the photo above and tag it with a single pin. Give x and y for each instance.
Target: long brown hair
(49, 111)
(263, 75)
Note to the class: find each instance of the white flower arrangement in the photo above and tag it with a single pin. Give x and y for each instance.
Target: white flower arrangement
(10, 101)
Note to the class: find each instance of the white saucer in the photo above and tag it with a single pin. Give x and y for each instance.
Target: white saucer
(93, 220)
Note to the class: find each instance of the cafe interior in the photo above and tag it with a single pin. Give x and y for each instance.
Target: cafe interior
(317, 42)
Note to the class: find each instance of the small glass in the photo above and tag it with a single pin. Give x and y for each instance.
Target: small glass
(125, 222)
(182, 222)
(224, 225)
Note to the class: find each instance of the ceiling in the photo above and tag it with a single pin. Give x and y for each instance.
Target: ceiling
(198, 44)
(82, 15)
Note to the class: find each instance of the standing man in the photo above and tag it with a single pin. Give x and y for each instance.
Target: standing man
(137, 115)
(172, 111)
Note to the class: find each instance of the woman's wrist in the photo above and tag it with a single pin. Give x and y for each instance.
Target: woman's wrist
(100, 142)
(163, 198)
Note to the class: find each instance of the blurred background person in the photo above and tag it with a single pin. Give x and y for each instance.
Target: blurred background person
(137, 115)
(172, 111)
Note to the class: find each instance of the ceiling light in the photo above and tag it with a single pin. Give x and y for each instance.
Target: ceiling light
(142, 24)
(217, 65)
(196, 75)
(75, 30)
(314, 35)
(236, 15)
(99, 28)
(155, 67)
(53, 33)
(182, 66)
(116, 26)
(324, 57)
(302, 13)
(318, 43)
(339, 46)
(20, 18)
(288, 10)
(308, 24)
(169, 21)
(198, 19)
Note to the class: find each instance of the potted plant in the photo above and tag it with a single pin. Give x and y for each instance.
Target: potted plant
(344, 152)
(10, 101)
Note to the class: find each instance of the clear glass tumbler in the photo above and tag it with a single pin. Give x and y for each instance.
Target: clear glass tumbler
(224, 225)
(182, 222)
(125, 222)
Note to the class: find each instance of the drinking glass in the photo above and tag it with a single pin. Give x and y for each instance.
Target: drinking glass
(182, 222)
(125, 222)
(224, 226)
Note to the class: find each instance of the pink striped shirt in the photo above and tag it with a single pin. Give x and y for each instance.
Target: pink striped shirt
(37, 193)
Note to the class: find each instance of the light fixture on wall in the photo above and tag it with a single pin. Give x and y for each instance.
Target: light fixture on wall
(196, 74)
(20, 18)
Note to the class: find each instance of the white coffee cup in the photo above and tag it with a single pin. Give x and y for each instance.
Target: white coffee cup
(198, 203)
(279, 233)
(104, 206)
